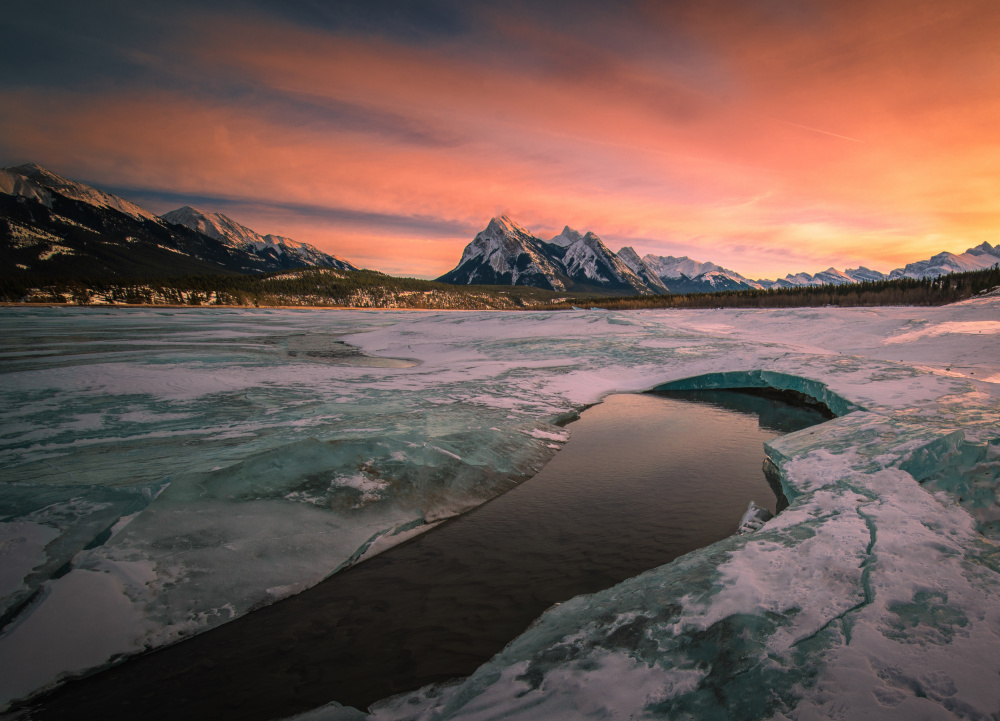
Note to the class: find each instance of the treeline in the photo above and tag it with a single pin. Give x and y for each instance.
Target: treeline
(901, 291)
(319, 286)
(371, 289)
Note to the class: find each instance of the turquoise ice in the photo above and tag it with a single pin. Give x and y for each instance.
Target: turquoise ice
(165, 471)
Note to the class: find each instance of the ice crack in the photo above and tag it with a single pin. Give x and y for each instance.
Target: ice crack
(866, 588)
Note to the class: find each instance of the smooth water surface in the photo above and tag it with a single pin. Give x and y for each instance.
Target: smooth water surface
(643, 479)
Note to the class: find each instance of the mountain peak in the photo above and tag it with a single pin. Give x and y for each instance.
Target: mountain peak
(567, 237)
(80, 191)
(503, 224)
(29, 168)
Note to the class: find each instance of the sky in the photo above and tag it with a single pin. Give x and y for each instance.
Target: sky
(767, 136)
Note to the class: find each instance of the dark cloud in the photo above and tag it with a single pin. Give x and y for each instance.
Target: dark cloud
(419, 21)
(414, 225)
(319, 113)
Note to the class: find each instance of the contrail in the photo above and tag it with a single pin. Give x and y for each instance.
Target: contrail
(825, 132)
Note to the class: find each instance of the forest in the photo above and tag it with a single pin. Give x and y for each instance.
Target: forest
(371, 289)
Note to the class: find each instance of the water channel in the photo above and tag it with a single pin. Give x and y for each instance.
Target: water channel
(644, 479)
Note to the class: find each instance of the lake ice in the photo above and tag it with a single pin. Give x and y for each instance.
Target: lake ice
(167, 470)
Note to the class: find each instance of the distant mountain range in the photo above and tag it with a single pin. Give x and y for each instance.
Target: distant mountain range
(507, 254)
(53, 226)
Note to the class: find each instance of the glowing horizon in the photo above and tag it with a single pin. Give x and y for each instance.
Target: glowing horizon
(767, 140)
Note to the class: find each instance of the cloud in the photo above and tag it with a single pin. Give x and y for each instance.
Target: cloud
(721, 130)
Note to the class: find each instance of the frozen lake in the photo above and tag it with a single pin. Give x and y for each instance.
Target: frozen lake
(643, 479)
(167, 471)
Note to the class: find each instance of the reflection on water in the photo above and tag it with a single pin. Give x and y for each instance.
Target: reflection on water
(643, 479)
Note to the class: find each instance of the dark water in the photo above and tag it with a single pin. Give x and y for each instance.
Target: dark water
(644, 479)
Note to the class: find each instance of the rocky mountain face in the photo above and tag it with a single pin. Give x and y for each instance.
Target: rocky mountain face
(982, 256)
(507, 254)
(52, 226)
(269, 249)
(643, 270)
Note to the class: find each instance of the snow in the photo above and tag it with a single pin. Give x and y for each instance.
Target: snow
(225, 229)
(566, 238)
(670, 267)
(872, 595)
(39, 176)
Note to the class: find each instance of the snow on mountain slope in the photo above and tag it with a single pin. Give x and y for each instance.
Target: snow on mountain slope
(588, 260)
(667, 266)
(978, 258)
(982, 256)
(225, 229)
(642, 269)
(863, 274)
(832, 276)
(507, 254)
(504, 253)
(13, 183)
(78, 191)
(567, 237)
(723, 279)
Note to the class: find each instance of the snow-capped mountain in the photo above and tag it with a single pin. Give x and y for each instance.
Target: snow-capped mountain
(567, 237)
(46, 179)
(269, 248)
(830, 276)
(53, 226)
(642, 269)
(864, 275)
(982, 256)
(504, 253)
(978, 258)
(667, 266)
(589, 261)
(684, 275)
(507, 254)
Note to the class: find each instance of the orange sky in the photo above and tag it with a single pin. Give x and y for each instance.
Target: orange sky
(777, 138)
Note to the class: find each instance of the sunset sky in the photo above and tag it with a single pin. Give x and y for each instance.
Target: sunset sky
(767, 136)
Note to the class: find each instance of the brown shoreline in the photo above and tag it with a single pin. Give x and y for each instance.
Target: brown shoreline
(254, 307)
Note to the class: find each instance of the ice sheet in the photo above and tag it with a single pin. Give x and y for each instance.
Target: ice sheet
(246, 471)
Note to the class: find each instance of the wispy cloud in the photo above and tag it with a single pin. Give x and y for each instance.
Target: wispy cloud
(766, 137)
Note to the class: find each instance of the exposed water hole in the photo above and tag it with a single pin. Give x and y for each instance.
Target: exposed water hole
(643, 479)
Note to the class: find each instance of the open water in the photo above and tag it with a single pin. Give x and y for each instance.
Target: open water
(642, 480)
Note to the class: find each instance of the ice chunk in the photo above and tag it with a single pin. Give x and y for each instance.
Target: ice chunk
(754, 519)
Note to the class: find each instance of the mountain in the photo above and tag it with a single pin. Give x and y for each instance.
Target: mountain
(507, 254)
(588, 261)
(57, 227)
(643, 270)
(684, 275)
(667, 266)
(43, 178)
(271, 249)
(982, 256)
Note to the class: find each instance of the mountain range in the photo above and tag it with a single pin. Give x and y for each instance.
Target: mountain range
(53, 226)
(507, 254)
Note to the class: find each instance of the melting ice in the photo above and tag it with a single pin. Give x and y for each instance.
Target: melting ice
(165, 471)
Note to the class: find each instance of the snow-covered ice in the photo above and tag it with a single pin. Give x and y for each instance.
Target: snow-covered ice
(167, 470)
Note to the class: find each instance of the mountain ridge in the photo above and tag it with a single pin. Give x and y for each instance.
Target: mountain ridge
(572, 260)
(51, 225)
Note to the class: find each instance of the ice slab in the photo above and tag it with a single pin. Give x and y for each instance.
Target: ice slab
(279, 467)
